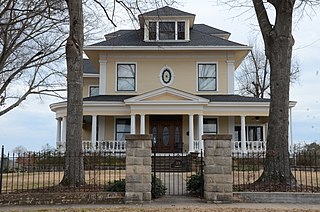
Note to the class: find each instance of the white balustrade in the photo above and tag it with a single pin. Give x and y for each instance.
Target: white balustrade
(251, 147)
(198, 145)
(120, 146)
(104, 146)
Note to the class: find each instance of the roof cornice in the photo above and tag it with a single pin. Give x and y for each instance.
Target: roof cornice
(168, 48)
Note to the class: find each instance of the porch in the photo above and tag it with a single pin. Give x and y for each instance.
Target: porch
(171, 133)
(113, 146)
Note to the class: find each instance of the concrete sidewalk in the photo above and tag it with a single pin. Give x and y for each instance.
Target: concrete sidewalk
(170, 203)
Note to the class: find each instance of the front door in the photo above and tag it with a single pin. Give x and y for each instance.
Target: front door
(167, 133)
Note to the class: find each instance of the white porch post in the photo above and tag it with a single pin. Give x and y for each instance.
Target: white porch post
(191, 137)
(101, 128)
(142, 124)
(230, 65)
(243, 134)
(94, 131)
(133, 124)
(200, 133)
(64, 131)
(58, 139)
(103, 75)
(290, 131)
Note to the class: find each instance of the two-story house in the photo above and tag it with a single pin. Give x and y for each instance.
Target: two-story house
(171, 78)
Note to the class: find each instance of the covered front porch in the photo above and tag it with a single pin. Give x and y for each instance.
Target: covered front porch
(176, 119)
(171, 133)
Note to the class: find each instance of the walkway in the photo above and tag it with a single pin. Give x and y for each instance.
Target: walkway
(170, 203)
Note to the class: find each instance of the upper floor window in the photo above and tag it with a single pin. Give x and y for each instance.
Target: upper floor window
(207, 77)
(167, 30)
(93, 90)
(126, 77)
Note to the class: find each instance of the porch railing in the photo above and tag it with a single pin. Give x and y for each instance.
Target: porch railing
(120, 146)
(250, 147)
(109, 146)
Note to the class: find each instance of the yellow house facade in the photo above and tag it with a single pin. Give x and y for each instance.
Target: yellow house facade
(171, 78)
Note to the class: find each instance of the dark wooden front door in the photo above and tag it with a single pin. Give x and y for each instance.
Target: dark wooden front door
(167, 132)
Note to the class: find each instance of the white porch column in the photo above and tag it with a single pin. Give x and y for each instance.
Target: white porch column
(133, 124)
(64, 131)
(58, 138)
(243, 134)
(200, 133)
(94, 131)
(230, 66)
(191, 135)
(231, 126)
(290, 131)
(142, 124)
(101, 128)
(103, 75)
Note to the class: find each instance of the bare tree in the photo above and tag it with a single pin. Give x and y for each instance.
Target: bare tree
(74, 170)
(253, 77)
(278, 43)
(19, 150)
(31, 38)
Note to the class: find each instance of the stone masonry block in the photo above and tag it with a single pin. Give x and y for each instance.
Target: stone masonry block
(134, 178)
(143, 153)
(213, 169)
(147, 196)
(223, 144)
(147, 161)
(222, 152)
(222, 161)
(134, 197)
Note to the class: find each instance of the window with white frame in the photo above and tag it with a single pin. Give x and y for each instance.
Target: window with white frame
(122, 128)
(210, 126)
(126, 77)
(253, 133)
(207, 77)
(93, 90)
(166, 30)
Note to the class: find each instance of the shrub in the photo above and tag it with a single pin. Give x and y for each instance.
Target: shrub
(157, 188)
(117, 186)
(195, 184)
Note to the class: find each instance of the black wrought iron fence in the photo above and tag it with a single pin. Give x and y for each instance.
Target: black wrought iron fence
(304, 167)
(43, 171)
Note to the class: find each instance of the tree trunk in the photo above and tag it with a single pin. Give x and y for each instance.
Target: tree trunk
(278, 44)
(74, 168)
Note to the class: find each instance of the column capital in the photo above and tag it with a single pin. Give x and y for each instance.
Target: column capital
(103, 61)
(230, 61)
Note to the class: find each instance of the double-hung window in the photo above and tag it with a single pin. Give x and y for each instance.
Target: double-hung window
(166, 30)
(122, 128)
(126, 77)
(210, 126)
(207, 77)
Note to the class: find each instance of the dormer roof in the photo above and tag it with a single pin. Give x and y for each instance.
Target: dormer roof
(165, 12)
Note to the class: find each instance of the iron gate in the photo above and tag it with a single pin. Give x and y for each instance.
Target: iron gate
(175, 169)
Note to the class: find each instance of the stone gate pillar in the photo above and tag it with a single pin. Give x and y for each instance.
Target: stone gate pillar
(218, 168)
(138, 168)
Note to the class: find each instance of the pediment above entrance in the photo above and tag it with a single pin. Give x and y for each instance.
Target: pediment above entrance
(166, 95)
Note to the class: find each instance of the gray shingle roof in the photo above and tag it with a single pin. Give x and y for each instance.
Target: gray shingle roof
(88, 68)
(209, 30)
(197, 38)
(233, 98)
(212, 98)
(166, 11)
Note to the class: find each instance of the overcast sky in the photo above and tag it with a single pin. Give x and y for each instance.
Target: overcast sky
(33, 125)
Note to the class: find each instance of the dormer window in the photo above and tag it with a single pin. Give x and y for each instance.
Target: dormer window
(166, 30)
